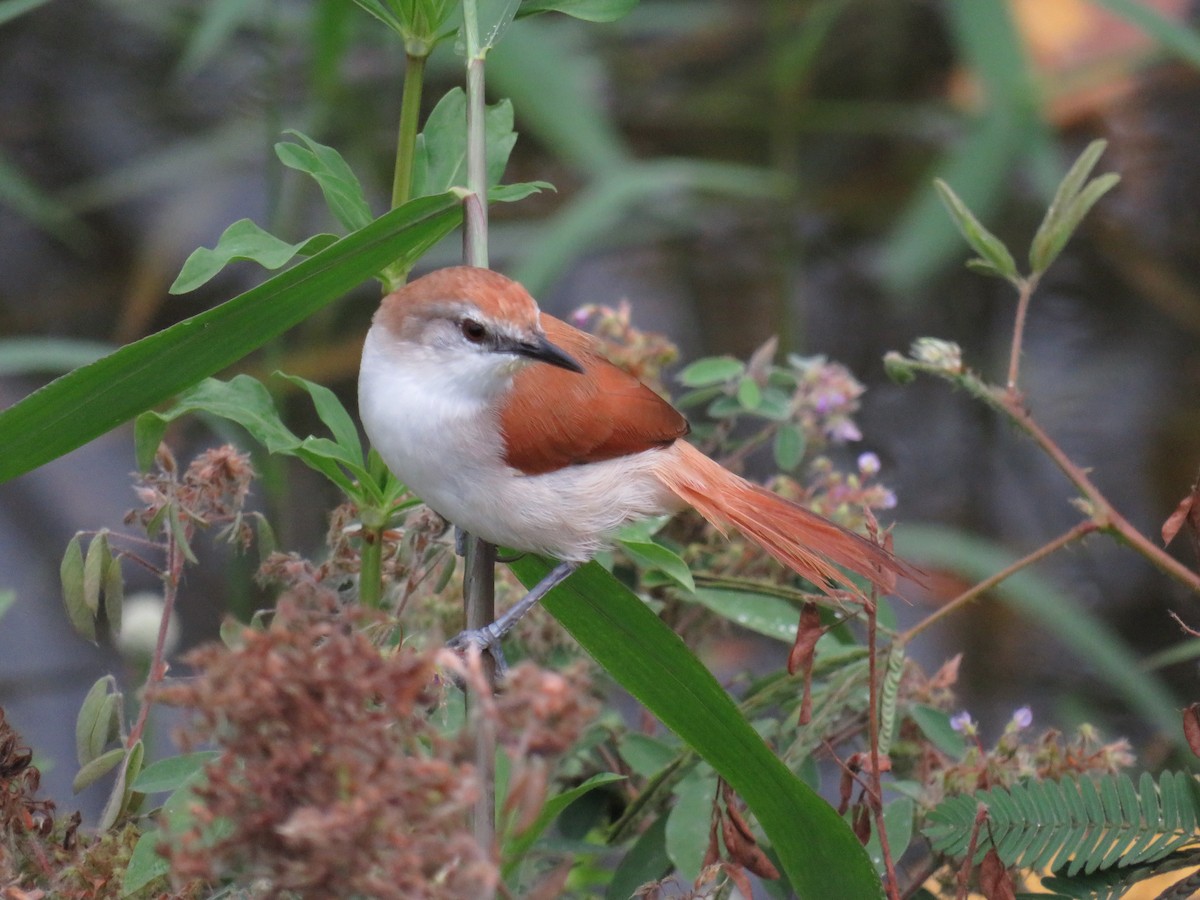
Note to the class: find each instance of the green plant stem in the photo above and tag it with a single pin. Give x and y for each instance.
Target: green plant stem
(406, 139)
(479, 587)
(1068, 537)
(370, 572)
(1025, 288)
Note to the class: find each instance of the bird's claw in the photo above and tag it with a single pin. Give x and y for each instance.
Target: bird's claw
(486, 640)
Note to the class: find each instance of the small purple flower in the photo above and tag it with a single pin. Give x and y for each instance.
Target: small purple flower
(868, 464)
(1023, 717)
(963, 723)
(845, 430)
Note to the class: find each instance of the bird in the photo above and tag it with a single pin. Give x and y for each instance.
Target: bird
(514, 426)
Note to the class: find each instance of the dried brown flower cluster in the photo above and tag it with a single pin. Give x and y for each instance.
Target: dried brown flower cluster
(333, 779)
(212, 490)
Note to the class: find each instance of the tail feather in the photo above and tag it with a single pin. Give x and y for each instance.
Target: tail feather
(809, 545)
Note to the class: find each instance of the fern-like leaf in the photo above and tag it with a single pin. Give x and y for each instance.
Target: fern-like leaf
(1112, 884)
(1074, 826)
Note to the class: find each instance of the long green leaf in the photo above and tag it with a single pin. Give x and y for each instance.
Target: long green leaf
(817, 850)
(87, 402)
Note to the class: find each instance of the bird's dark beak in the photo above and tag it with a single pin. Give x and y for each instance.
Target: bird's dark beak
(544, 351)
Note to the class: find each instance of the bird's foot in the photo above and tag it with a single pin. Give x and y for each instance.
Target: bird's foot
(487, 640)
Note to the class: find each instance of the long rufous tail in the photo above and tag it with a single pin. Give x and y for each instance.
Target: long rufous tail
(803, 541)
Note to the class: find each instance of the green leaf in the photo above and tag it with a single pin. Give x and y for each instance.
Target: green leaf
(440, 161)
(333, 414)
(145, 863)
(29, 355)
(173, 772)
(935, 724)
(97, 768)
(10, 9)
(95, 567)
(114, 596)
(92, 723)
(645, 755)
(338, 183)
(7, 598)
(1046, 247)
(656, 556)
(243, 240)
(70, 573)
(518, 846)
(817, 850)
(749, 394)
(689, 821)
(511, 193)
(588, 10)
(118, 800)
(982, 241)
(761, 613)
(494, 18)
(788, 447)
(646, 861)
(898, 820)
(711, 370)
(87, 402)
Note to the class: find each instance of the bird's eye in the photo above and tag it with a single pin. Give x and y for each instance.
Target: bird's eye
(473, 331)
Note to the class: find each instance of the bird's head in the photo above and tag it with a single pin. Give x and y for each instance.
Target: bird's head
(469, 319)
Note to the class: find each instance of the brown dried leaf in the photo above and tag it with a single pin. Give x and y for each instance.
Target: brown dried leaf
(994, 880)
(738, 876)
(947, 676)
(1188, 510)
(845, 789)
(862, 823)
(1191, 727)
(808, 632)
(746, 852)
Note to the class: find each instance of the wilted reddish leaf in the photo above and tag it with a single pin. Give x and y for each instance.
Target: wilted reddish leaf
(862, 823)
(808, 632)
(1191, 727)
(738, 876)
(994, 880)
(845, 789)
(1188, 510)
(947, 676)
(713, 854)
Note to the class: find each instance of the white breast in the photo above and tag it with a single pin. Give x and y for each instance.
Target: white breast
(434, 424)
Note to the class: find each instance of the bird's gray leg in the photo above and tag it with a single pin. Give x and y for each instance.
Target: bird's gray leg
(489, 636)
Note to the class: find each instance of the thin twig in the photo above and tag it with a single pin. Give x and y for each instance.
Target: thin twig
(158, 666)
(1026, 289)
(1074, 534)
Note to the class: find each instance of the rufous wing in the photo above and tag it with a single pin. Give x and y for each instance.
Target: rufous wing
(555, 418)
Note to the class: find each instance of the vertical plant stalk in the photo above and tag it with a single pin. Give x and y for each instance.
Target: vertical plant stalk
(479, 586)
(406, 139)
(1025, 288)
(370, 561)
(158, 667)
